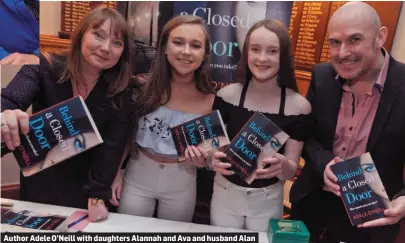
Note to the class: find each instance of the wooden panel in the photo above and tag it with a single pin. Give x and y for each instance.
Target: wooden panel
(303, 80)
(311, 33)
(11, 191)
(389, 15)
(308, 29)
(325, 54)
(296, 13)
(308, 32)
(51, 43)
(74, 11)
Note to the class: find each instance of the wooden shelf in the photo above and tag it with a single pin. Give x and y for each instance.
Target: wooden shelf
(52, 43)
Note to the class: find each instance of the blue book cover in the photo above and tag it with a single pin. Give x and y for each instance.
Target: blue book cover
(56, 134)
(361, 188)
(207, 131)
(259, 138)
(32, 220)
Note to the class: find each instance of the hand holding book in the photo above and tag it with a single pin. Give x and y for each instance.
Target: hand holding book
(277, 161)
(259, 138)
(330, 178)
(196, 156)
(219, 166)
(392, 215)
(362, 190)
(12, 122)
(195, 138)
(50, 136)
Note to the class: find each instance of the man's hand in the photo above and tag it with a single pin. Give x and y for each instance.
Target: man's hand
(392, 215)
(330, 179)
(18, 58)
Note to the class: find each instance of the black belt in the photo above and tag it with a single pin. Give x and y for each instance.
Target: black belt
(257, 183)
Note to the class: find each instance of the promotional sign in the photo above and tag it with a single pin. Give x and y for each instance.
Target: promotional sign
(228, 24)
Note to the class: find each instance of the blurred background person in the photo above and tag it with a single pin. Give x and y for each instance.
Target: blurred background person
(19, 31)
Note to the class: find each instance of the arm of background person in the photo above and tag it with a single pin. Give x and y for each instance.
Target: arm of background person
(3, 53)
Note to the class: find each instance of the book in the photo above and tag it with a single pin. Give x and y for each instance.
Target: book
(18, 220)
(287, 231)
(56, 134)
(361, 189)
(23, 220)
(207, 131)
(259, 138)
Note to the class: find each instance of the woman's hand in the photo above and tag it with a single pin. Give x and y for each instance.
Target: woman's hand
(196, 156)
(12, 121)
(219, 166)
(116, 188)
(97, 209)
(276, 162)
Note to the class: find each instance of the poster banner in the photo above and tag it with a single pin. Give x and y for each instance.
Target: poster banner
(228, 24)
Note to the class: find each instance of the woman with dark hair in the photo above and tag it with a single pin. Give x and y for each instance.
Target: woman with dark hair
(98, 68)
(265, 83)
(178, 90)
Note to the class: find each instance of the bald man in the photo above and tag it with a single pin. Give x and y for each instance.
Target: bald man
(358, 106)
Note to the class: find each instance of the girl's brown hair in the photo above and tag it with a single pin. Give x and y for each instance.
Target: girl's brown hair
(286, 75)
(158, 87)
(157, 84)
(118, 76)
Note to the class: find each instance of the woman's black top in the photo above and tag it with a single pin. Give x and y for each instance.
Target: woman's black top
(296, 126)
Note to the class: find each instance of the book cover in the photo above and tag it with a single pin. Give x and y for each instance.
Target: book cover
(56, 134)
(21, 219)
(206, 131)
(361, 189)
(259, 138)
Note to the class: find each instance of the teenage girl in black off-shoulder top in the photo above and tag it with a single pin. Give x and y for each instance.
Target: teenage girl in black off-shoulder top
(266, 83)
